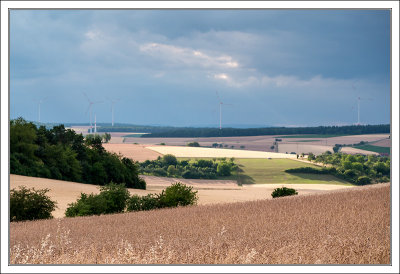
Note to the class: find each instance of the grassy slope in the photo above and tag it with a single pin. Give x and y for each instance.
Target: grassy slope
(374, 148)
(264, 171)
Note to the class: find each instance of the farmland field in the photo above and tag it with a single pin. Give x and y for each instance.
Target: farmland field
(136, 152)
(349, 226)
(209, 191)
(353, 150)
(264, 171)
(202, 152)
(378, 149)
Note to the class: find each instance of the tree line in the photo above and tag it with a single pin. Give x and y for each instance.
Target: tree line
(170, 166)
(227, 132)
(356, 169)
(61, 154)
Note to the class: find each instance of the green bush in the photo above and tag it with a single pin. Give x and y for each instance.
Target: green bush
(112, 199)
(363, 180)
(30, 204)
(283, 191)
(178, 194)
(223, 169)
(139, 203)
(193, 144)
(169, 159)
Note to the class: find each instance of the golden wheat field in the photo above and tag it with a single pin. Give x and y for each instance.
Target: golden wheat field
(342, 227)
(209, 191)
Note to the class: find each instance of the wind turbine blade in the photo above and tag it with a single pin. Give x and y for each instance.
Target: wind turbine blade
(87, 109)
(86, 96)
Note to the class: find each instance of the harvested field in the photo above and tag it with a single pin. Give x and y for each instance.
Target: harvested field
(202, 152)
(209, 191)
(342, 227)
(301, 147)
(382, 143)
(136, 152)
(352, 150)
(315, 145)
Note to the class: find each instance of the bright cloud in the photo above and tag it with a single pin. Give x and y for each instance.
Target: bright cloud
(188, 56)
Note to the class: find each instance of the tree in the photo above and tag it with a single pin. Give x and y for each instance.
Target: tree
(193, 144)
(223, 169)
(106, 137)
(30, 204)
(169, 159)
(283, 191)
(311, 156)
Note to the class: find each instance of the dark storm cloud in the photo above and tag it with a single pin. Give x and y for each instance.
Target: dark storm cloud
(274, 66)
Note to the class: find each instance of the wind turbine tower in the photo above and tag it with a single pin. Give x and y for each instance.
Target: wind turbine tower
(358, 107)
(112, 110)
(220, 110)
(95, 128)
(91, 103)
(39, 104)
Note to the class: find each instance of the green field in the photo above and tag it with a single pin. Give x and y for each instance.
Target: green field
(265, 171)
(134, 135)
(312, 136)
(374, 148)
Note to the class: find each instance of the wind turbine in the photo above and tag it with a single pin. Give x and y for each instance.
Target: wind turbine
(220, 110)
(358, 104)
(358, 107)
(112, 109)
(39, 103)
(91, 103)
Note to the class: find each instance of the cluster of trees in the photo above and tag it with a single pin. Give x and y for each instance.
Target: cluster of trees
(226, 132)
(30, 204)
(61, 154)
(169, 166)
(193, 144)
(357, 169)
(115, 198)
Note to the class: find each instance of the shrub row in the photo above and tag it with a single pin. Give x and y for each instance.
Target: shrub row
(115, 198)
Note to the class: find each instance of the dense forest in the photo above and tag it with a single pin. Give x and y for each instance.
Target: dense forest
(61, 154)
(227, 132)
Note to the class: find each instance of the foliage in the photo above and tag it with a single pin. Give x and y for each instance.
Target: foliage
(168, 165)
(193, 144)
(175, 195)
(311, 156)
(30, 204)
(357, 169)
(112, 199)
(311, 170)
(140, 203)
(178, 194)
(60, 153)
(283, 191)
(323, 131)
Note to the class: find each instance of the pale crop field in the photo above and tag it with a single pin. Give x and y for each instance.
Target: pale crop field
(202, 152)
(342, 227)
(135, 152)
(209, 191)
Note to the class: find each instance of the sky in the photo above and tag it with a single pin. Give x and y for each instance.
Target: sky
(174, 67)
